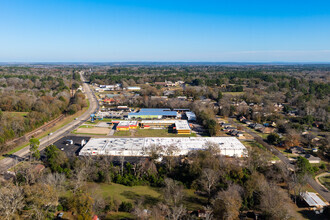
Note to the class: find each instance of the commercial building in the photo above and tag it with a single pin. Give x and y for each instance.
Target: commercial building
(126, 125)
(140, 147)
(182, 127)
(178, 126)
(191, 116)
(133, 88)
(153, 113)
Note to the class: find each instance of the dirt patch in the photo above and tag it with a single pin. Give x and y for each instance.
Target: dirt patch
(94, 130)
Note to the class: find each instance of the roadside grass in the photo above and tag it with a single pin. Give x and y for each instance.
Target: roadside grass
(98, 120)
(325, 180)
(86, 126)
(253, 144)
(59, 125)
(74, 132)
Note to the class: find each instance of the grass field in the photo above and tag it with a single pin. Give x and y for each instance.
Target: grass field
(253, 144)
(23, 114)
(325, 180)
(159, 133)
(122, 133)
(86, 126)
(150, 195)
(126, 193)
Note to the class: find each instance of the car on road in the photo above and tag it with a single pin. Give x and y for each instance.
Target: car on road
(60, 215)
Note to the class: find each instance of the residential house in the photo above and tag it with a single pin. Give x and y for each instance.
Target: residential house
(296, 150)
(312, 159)
(267, 130)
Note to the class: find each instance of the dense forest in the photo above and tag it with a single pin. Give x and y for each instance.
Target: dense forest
(30, 97)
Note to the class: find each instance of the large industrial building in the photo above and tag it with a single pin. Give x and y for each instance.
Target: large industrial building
(153, 113)
(139, 147)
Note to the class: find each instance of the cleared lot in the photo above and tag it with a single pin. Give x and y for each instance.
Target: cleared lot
(93, 130)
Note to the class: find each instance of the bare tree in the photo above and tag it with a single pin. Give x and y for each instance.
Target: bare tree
(170, 152)
(227, 203)
(11, 201)
(209, 180)
(173, 192)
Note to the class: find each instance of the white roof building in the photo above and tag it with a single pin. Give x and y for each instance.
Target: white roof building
(229, 146)
(312, 199)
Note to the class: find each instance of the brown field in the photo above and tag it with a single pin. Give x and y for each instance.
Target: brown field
(93, 130)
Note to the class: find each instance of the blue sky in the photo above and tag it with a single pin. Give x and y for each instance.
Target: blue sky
(168, 30)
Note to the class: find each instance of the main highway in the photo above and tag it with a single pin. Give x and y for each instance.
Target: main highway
(23, 154)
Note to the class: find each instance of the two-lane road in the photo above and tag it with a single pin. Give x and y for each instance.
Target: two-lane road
(22, 154)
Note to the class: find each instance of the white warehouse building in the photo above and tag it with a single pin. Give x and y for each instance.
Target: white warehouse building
(139, 147)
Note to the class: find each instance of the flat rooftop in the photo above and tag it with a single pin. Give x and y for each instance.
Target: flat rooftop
(229, 146)
(155, 111)
(127, 123)
(182, 125)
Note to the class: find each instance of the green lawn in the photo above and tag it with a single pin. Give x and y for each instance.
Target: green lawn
(325, 180)
(159, 133)
(122, 133)
(86, 126)
(253, 144)
(120, 215)
(150, 195)
(18, 113)
(126, 193)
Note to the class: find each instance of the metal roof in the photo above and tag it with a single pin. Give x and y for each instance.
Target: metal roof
(154, 111)
(312, 199)
(229, 146)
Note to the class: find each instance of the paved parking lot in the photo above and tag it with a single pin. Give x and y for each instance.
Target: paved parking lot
(71, 149)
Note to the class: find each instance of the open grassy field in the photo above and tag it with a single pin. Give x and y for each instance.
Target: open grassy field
(126, 193)
(122, 133)
(159, 133)
(150, 195)
(18, 113)
(253, 144)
